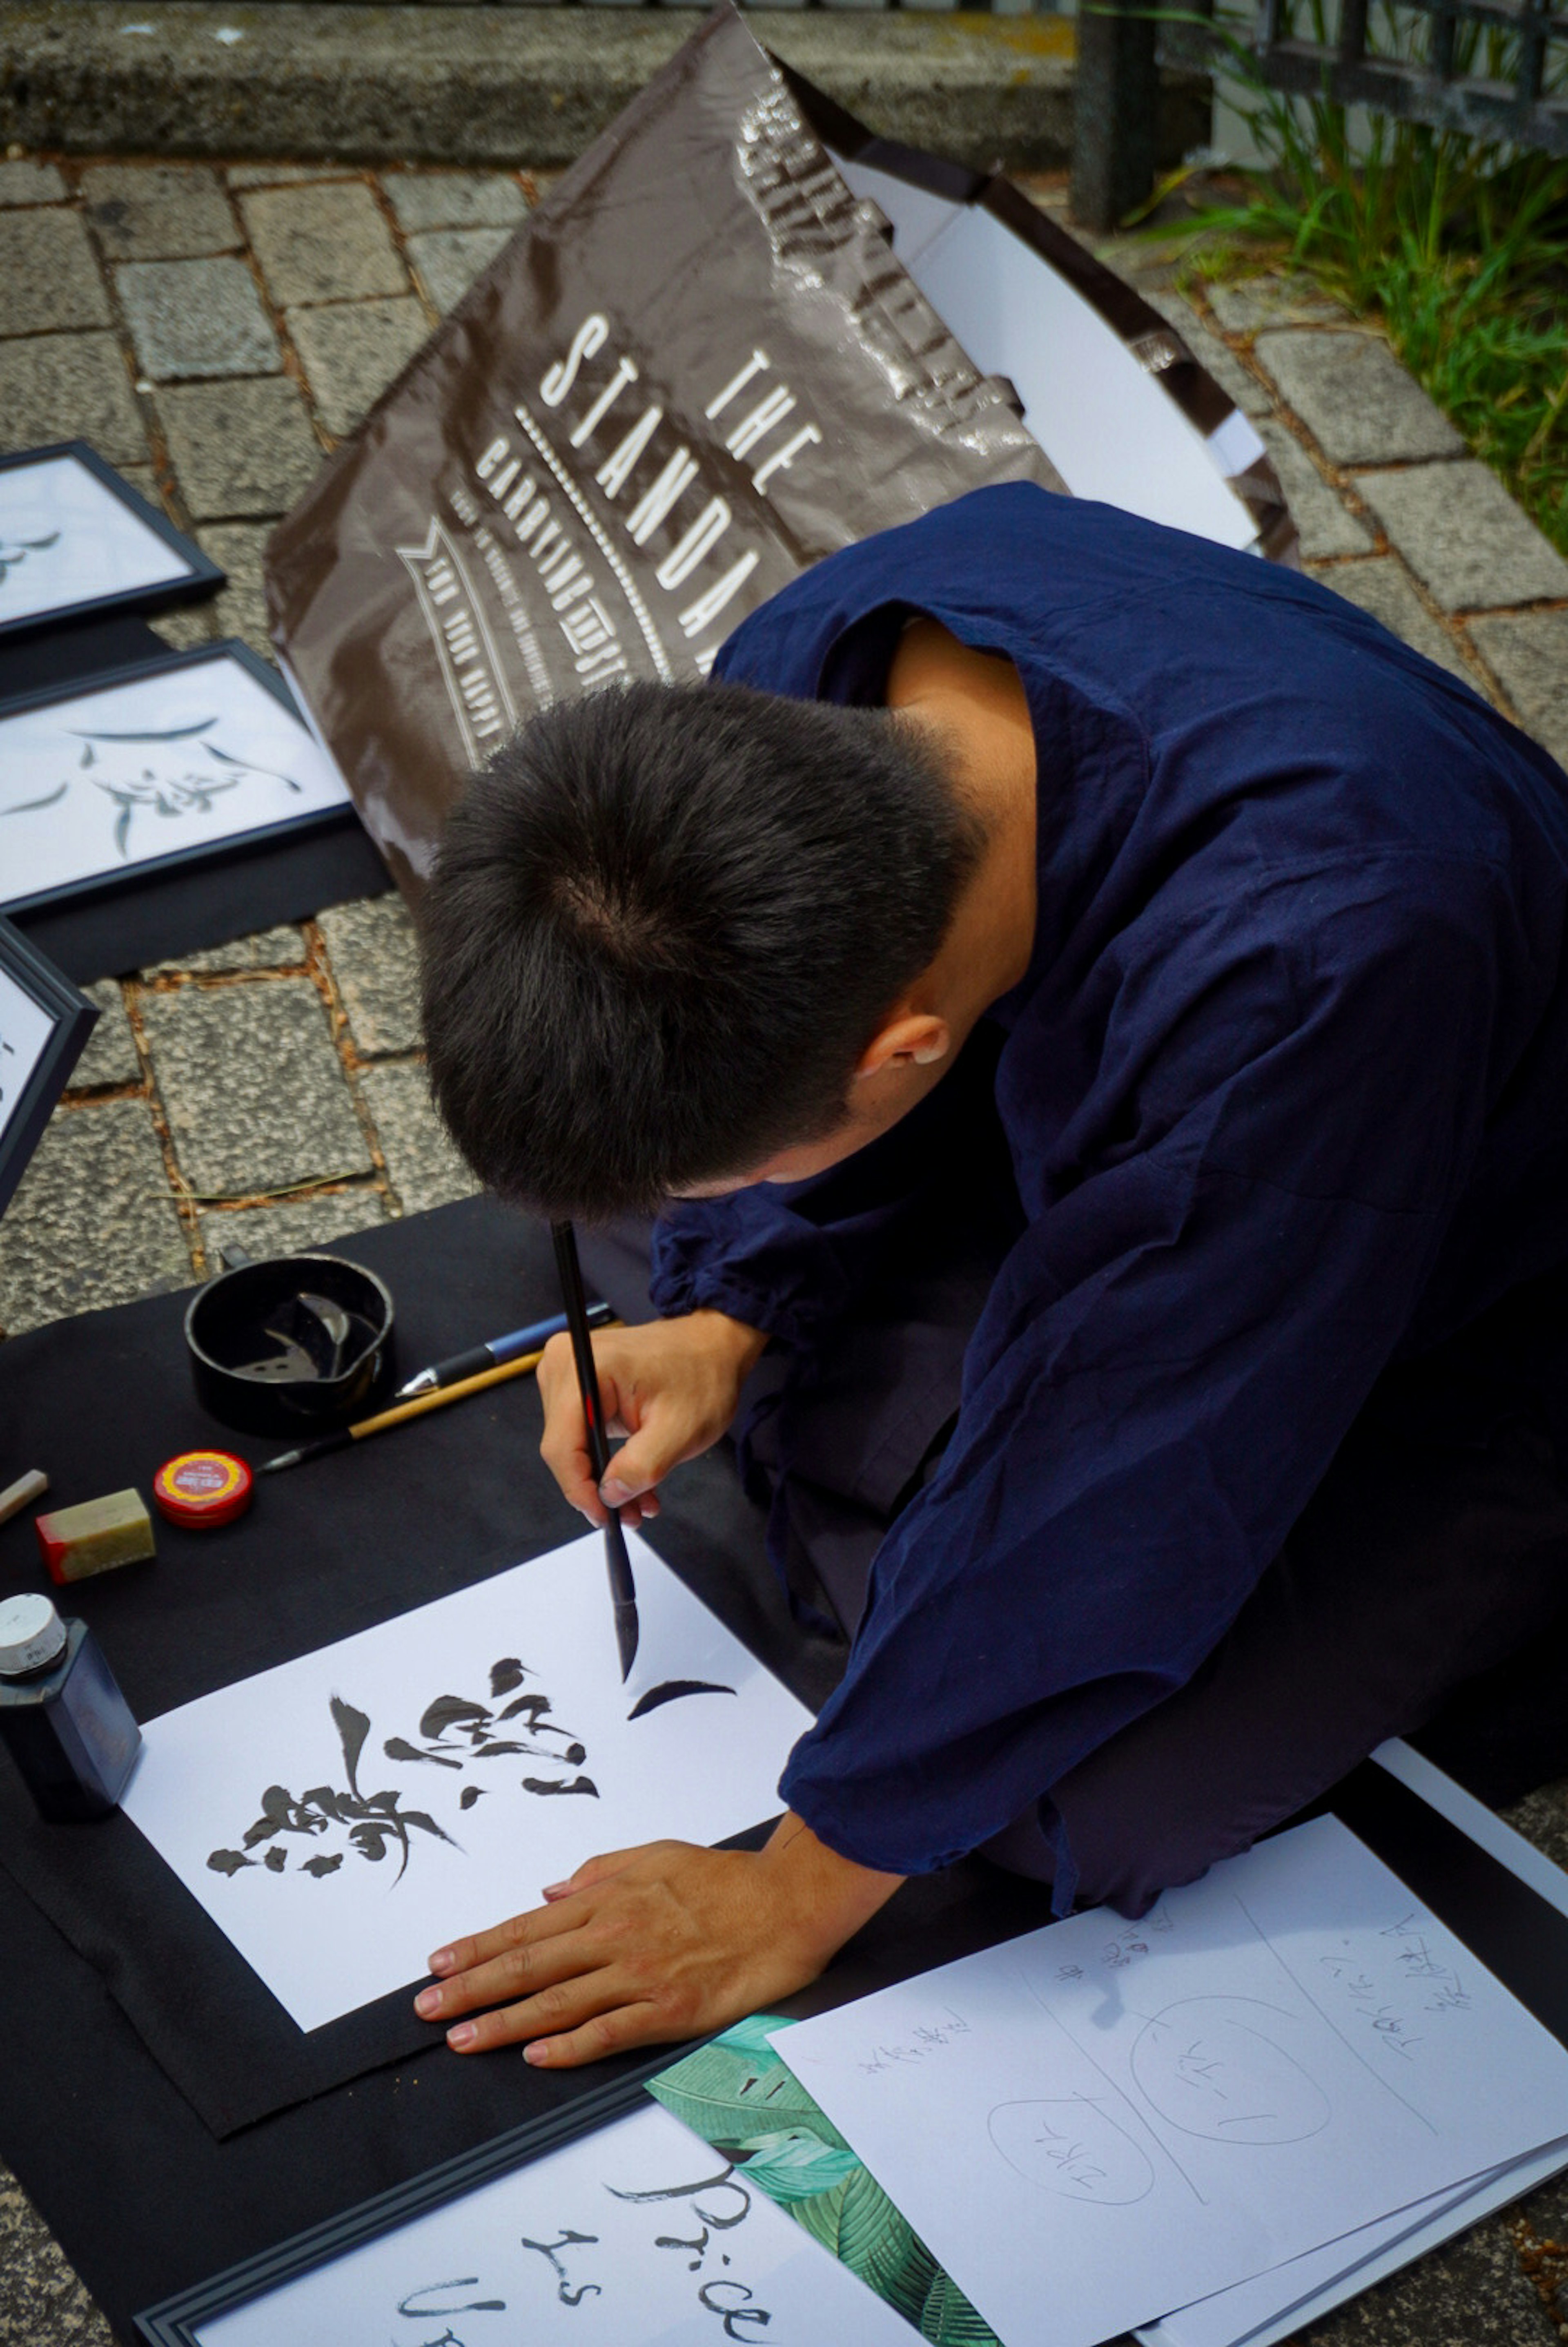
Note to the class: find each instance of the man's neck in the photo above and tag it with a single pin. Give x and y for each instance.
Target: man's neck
(973, 705)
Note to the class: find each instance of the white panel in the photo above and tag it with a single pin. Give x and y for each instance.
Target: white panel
(1106, 426)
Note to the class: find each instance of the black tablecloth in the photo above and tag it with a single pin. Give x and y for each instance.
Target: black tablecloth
(326, 1550)
(135, 2036)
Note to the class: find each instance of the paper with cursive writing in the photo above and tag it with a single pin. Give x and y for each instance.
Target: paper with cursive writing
(1150, 2112)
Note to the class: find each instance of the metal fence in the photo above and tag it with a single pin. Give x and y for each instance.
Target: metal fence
(1493, 69)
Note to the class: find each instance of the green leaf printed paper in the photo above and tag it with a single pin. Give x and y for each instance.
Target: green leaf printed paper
(738, 2097)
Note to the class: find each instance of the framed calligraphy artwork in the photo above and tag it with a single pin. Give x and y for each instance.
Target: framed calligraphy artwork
(77, 541)
(189, 757)
(43, 1023)
(609, 2224)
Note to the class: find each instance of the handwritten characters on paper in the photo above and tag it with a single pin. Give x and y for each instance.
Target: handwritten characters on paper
(455, 1734)
(13, 553)
(570, 2272)
(1388, 1999)
(167, 771)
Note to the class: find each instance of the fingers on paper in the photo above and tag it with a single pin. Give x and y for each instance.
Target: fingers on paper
(461, 1956)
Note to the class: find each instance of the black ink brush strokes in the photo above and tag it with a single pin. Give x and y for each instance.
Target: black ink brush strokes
(374, 1823)
(454, 1732)
(672, 1691)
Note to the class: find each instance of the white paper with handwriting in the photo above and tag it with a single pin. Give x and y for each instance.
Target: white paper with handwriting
(638, 2235)
(341, 1815)
(1101, 2121)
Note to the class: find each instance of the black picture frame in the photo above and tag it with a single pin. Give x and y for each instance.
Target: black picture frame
(211, 851)
(175, 2320)
(72, 1017)
(202, 576)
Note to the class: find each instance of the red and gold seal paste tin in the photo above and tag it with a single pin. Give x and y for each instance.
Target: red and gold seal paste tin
(202, 1488)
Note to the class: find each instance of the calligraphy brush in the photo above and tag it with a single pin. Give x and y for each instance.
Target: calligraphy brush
(622, 1588)
(322, 1444)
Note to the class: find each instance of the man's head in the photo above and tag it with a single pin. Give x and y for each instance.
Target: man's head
(665, 924)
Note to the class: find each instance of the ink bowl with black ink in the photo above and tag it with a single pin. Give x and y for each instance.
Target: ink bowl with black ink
(301, 1343)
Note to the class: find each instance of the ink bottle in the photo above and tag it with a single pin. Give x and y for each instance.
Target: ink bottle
(65, 1723)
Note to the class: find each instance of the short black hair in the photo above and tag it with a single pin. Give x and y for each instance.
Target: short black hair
(665, 921)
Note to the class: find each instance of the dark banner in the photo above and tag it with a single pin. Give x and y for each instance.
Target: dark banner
(696, 369)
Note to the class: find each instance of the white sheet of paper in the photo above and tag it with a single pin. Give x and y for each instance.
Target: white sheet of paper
(64, 539)
(180, 758)
(1278, 2054)
(337, 1900)
(638, 2236)
(1271, 2305)
(25, 1032)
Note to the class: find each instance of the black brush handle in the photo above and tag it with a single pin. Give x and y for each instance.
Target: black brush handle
(622, 1588)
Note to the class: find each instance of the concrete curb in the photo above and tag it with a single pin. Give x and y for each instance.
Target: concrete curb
(503, 85)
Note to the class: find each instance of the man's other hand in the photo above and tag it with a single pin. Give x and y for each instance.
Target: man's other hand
(648, 1946)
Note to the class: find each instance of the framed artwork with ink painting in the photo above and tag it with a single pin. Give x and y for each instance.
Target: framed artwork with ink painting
(76, 541)
(185, 757)
(607, 2224)
(43, 1023)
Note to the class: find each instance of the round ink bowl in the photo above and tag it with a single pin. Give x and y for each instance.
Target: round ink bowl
(301, 1343)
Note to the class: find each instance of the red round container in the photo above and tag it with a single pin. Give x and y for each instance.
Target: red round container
(201, 1488)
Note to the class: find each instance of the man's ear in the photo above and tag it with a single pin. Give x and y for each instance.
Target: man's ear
(917, 1038)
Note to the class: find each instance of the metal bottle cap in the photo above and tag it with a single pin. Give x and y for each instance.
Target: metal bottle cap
(32, 1635)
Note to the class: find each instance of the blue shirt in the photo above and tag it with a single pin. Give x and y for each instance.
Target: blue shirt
(1285, 1093)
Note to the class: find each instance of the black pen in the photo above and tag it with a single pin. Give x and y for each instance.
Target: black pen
(497, 1350)
(622, 1588)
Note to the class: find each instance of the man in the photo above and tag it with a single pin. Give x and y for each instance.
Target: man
(1136, 953)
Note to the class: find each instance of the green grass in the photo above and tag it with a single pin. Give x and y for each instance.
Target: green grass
(1459, 249)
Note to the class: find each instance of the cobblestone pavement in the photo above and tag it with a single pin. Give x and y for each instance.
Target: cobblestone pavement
(213, 332)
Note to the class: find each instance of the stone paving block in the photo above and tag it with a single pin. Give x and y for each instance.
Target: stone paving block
(92, 1222)
(254, 1092)
(351, 350)
(296, 1227)
(285, 175)
(322, 243)
(70, 387)
(242, 450)
(280, 948)
(241, 608)
(422, 1166)
(110, 1056)
(448, 260)
(454, 200)
(1254, 302)
(30, 183)
(1527, 652)
(1325, 523)
(1238, 383)
(1355, 398)
(1464, 538)
(159, 212)
(197, 318)
(374, 954)
(1472, 2293)
(1381, 586)
(1541, 1816)
(186, 626)
(40, 2297)
(50, 276)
